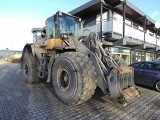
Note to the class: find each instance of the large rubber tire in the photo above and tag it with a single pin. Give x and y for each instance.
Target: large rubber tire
(119, 60)
(30, 71)
(157, 86)
(81, 78)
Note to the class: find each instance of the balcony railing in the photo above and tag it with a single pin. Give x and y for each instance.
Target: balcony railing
(87, 29)
(116, 26)
(150, 39)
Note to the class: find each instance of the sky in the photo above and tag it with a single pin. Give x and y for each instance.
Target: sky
(18, 17)
(150, 7)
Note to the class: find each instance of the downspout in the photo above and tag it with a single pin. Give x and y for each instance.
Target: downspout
(156, 43)
(110, 19)
(156, 35)
(101, 14)
(144, 29)
(124, 16)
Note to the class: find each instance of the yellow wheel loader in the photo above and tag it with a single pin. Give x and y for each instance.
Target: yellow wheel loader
(75, 66)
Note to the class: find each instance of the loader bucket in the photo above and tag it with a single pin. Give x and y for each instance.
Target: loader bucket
(121, 85)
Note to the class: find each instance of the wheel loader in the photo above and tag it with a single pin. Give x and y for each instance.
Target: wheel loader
(75, 65)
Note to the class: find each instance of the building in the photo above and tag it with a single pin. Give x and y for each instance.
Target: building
(125, 29)
(8, 53)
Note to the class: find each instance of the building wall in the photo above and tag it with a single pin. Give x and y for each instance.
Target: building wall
(8, 53)
(90, 20)
(113, 22)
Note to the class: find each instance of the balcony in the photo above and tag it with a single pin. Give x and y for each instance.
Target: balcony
(113, 30)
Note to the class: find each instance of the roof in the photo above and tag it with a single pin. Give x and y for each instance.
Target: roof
(36, 30)
(132, 12)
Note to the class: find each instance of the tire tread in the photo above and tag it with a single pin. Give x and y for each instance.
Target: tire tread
(87, 75)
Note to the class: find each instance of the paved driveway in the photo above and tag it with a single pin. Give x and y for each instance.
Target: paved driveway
(19, 100)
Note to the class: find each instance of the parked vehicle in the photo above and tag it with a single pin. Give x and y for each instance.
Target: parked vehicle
(147, 73)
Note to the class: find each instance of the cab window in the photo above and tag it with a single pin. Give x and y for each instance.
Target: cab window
(50, 28)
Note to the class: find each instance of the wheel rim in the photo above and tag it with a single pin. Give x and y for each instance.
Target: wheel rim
(158, 85)
(64, 79)
(26, 69)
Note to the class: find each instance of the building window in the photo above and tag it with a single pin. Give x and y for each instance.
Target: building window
(147, 56)
(143, 56)
(126, 55)
(122, 52)
(132, 56)
(137, 56)
(152, 56)
(115, 50)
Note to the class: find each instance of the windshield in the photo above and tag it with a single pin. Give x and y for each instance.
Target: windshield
(67, 24)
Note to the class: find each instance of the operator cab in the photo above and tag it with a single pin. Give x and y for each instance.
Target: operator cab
(38, 34)
(57, 30)
(62, 23)
(56, 25)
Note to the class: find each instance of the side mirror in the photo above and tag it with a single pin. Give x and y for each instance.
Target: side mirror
(43, 34)
(64, 36)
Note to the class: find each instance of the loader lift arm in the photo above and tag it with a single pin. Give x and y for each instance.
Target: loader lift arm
(120, 79)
